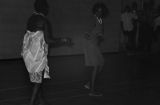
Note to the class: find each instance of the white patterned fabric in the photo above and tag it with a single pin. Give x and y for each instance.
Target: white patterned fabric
(34, 53)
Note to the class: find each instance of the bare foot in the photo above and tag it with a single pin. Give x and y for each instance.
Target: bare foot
(87, 85)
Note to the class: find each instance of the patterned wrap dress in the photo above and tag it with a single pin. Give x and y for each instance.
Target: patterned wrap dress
(34, 53)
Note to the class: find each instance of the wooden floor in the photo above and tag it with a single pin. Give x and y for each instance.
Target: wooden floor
(142, 87)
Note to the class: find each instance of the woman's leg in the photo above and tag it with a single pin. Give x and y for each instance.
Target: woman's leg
(100, 67)
(42, 99)
(89, 74)
(35, 93)
(93, 78)
(92, 83)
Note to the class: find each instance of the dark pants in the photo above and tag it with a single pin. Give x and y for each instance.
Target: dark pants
(131, 40)
(145, 37)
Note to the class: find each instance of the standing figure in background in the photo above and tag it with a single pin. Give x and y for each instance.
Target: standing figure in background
(127, 19)
(135, 25)
(146, 28)
(156, 37)
(93, 57)
(36, 42)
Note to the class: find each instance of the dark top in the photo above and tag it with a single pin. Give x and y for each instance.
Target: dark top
(36, 22)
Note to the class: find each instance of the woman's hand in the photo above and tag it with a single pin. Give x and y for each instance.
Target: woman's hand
(100, 40)
(45, 49)
(59, 42)
(67, 41)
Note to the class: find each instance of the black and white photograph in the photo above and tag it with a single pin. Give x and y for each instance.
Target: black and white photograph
(79, 52)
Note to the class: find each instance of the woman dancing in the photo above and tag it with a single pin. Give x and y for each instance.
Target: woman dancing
(37, 40)
(93, 57)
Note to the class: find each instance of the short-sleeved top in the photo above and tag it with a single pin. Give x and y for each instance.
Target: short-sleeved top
(127, 20)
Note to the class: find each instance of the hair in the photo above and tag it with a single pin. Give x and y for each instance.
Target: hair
(41, 6)
(100, 5)
(127, 8)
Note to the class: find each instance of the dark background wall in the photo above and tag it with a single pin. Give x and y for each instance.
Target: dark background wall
(12, 24)
(71, 18)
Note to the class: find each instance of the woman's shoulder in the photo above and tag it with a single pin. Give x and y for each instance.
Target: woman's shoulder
(36, 18)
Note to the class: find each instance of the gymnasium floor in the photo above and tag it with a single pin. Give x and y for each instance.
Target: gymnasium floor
(143, 90)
